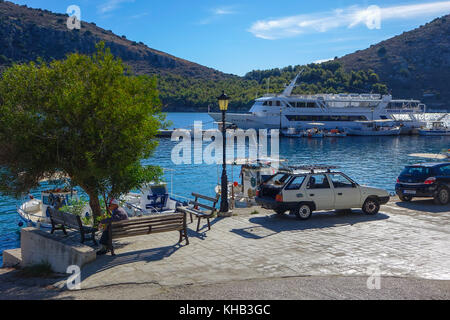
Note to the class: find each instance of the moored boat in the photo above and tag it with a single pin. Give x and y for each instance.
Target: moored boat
(287, 110)
(335, 133)
(375, 128)
(315, 132)
(292, 133)
(35, 212)
(438, 128)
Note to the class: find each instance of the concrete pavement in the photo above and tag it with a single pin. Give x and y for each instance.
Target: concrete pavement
(407, 243)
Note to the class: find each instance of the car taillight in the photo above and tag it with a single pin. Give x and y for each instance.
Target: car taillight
(430, 180)
(279, 198)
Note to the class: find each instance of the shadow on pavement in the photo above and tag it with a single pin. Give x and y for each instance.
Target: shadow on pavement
(15, 287)
(424, 205)
(271, 225)
(107, 262)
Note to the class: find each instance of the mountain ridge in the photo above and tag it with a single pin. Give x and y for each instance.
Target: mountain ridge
(414, 64)
(27, 34)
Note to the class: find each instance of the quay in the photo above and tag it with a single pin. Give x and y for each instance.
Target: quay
(405, 240)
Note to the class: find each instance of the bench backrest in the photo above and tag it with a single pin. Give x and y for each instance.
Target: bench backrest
(196, 203)
(148, 225)
(64, 218)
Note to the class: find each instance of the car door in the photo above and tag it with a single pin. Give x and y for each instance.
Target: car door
(293, 190)
(347, 193)
(444, 175)
(318, 190)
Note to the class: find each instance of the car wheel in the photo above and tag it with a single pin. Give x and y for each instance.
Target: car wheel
(371, 206)
(442, 196)
(406, 198)
(304, 212)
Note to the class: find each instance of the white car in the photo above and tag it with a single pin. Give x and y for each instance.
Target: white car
(303, 190)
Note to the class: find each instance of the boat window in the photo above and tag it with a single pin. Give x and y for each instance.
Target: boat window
(296, 183)
(340, 181)
(311, 105)
(270, 103)
(278, 103)
(318, 181)
(325, 118)
(265, 103)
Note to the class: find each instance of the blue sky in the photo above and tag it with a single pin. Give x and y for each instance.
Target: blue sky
(240, 36)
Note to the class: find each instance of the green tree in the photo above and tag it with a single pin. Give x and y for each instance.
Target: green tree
(84, 116)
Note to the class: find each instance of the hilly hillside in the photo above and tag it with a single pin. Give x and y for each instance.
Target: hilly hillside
(26, 34)
(415, 64)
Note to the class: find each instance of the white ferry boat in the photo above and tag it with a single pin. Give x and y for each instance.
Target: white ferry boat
(281, 111)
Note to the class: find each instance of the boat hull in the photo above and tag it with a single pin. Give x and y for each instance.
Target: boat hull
(434, 132)
(356, 132)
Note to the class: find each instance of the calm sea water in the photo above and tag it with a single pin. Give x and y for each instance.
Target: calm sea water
(374, 161)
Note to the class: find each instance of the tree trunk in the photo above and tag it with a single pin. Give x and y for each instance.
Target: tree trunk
(94, 203)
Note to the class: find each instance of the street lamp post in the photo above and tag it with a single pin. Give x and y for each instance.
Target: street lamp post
(223, 104)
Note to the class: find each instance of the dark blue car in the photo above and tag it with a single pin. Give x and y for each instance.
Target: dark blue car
(430, 180)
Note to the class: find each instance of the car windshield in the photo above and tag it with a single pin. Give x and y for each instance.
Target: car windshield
(278, 180)
(416, 171)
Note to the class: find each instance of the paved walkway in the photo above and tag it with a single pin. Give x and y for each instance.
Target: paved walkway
(405, 240)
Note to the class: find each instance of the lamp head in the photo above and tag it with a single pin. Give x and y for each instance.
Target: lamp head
(223, 101)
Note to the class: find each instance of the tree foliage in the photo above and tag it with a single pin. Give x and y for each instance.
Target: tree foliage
(328, 77)
(85, 116)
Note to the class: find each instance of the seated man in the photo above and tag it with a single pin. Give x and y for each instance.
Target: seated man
(117, 214)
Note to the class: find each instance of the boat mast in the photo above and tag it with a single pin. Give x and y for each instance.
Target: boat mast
(288, 91)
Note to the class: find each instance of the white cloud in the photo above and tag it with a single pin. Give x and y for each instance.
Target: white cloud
(111, 5)
(218, 12)
(223, 11)
(350, 17)
(323, 60)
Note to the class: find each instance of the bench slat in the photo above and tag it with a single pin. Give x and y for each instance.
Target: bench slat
(146, 226)
(155, 219)
(196, 212)
(64, 218)
(145, 231)
(200, 196)
(137, 234)
(201, 205)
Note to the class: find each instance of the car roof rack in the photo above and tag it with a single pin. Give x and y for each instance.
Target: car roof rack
(313, 168)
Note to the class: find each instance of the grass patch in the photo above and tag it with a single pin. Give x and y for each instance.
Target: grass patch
(254, 212)
(42, 270)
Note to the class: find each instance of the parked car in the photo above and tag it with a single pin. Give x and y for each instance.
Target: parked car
(303, 190)
(430, 180)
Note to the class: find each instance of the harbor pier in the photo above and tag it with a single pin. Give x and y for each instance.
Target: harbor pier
(406, 240)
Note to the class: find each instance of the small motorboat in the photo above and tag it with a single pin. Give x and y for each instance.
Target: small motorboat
(375, 128)
(292, 133)
(335, 133)
(252, 174)
(35, 212)
(444, 155)
(438, 128)
(151, 200)
(315, 132)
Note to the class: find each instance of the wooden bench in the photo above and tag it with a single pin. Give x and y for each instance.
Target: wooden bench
(199, 213)
(61, 220)
(146, 226)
